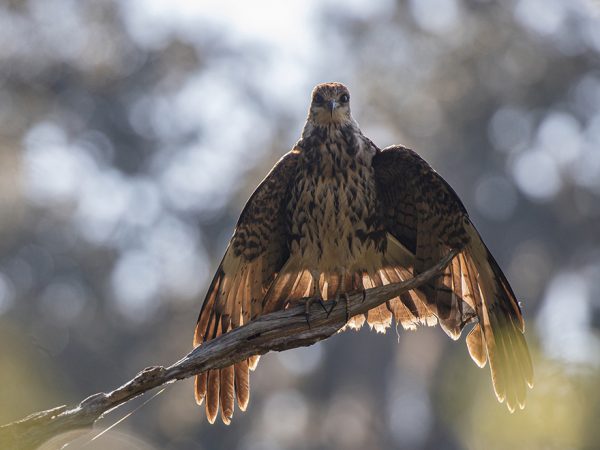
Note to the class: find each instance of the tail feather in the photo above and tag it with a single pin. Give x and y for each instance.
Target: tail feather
(408, 309)
(200, 387)
(356, 322)
(359, 320)
(226, 393)
(470, 295)
(505, 286)
(476, 346)
(499, 362)
(242, 384)
(230, 303)
(333, 284)
(501, 325)
(213, 389)
(524, 358)
(253, 362)
(212, 395)
(279, 292)
(233, 301)
(291, 283)
(380, 317)
(403, 308)
(456, 271)
(440, 295)
(443, 292)
(236, 313)
(411, 308)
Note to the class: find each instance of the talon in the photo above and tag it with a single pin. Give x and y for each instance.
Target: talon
(307, 304)
(307, 312)
(334, 303)
(322, 303)
(337, 299)
(347, 301)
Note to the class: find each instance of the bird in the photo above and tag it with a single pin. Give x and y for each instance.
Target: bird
(337, 214)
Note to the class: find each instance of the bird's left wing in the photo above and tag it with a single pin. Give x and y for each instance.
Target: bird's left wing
(422, 211)
(257, 251)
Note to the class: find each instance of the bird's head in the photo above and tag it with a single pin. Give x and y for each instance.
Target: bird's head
(330, 104)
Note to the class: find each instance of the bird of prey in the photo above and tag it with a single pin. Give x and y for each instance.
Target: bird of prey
(337, 214)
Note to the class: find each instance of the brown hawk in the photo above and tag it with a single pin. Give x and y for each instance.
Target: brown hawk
(337, 214)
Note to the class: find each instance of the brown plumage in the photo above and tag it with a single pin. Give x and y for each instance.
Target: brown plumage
(336, 215)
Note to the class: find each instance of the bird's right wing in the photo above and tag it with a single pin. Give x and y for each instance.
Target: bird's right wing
(257, 251)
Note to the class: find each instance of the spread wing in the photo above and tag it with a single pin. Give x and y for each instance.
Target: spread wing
(255, 254)
(426, 216)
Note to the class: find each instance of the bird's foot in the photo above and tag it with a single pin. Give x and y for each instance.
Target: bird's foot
(308, 302)
(336, 300)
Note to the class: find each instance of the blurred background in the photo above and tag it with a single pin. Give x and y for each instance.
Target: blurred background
(132, 133)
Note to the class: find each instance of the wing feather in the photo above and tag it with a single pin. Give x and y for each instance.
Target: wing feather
(425, 215)
(226, 394)
(256, 253)
(242, 384)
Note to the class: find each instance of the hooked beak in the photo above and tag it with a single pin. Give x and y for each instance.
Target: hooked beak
(331, 105)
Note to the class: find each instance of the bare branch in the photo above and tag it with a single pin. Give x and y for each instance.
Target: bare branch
(278, 331)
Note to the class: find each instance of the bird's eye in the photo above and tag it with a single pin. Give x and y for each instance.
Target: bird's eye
(344, 98)
(319, 99)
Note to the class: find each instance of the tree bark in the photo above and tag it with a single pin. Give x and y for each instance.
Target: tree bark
(278, 331)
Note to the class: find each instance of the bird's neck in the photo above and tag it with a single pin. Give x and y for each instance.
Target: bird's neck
(329, 129)
(335, 144)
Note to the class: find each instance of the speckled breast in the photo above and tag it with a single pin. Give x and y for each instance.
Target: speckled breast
(333, 208)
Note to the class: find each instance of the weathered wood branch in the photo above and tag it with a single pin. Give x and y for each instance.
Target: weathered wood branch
(278, 331)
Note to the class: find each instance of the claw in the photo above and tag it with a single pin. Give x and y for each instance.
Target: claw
(322, 303)
(346, 299)
(334, 303)
(307, 304)
(307, 317)
(336, 300)
(307, 311)
(347, 302)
